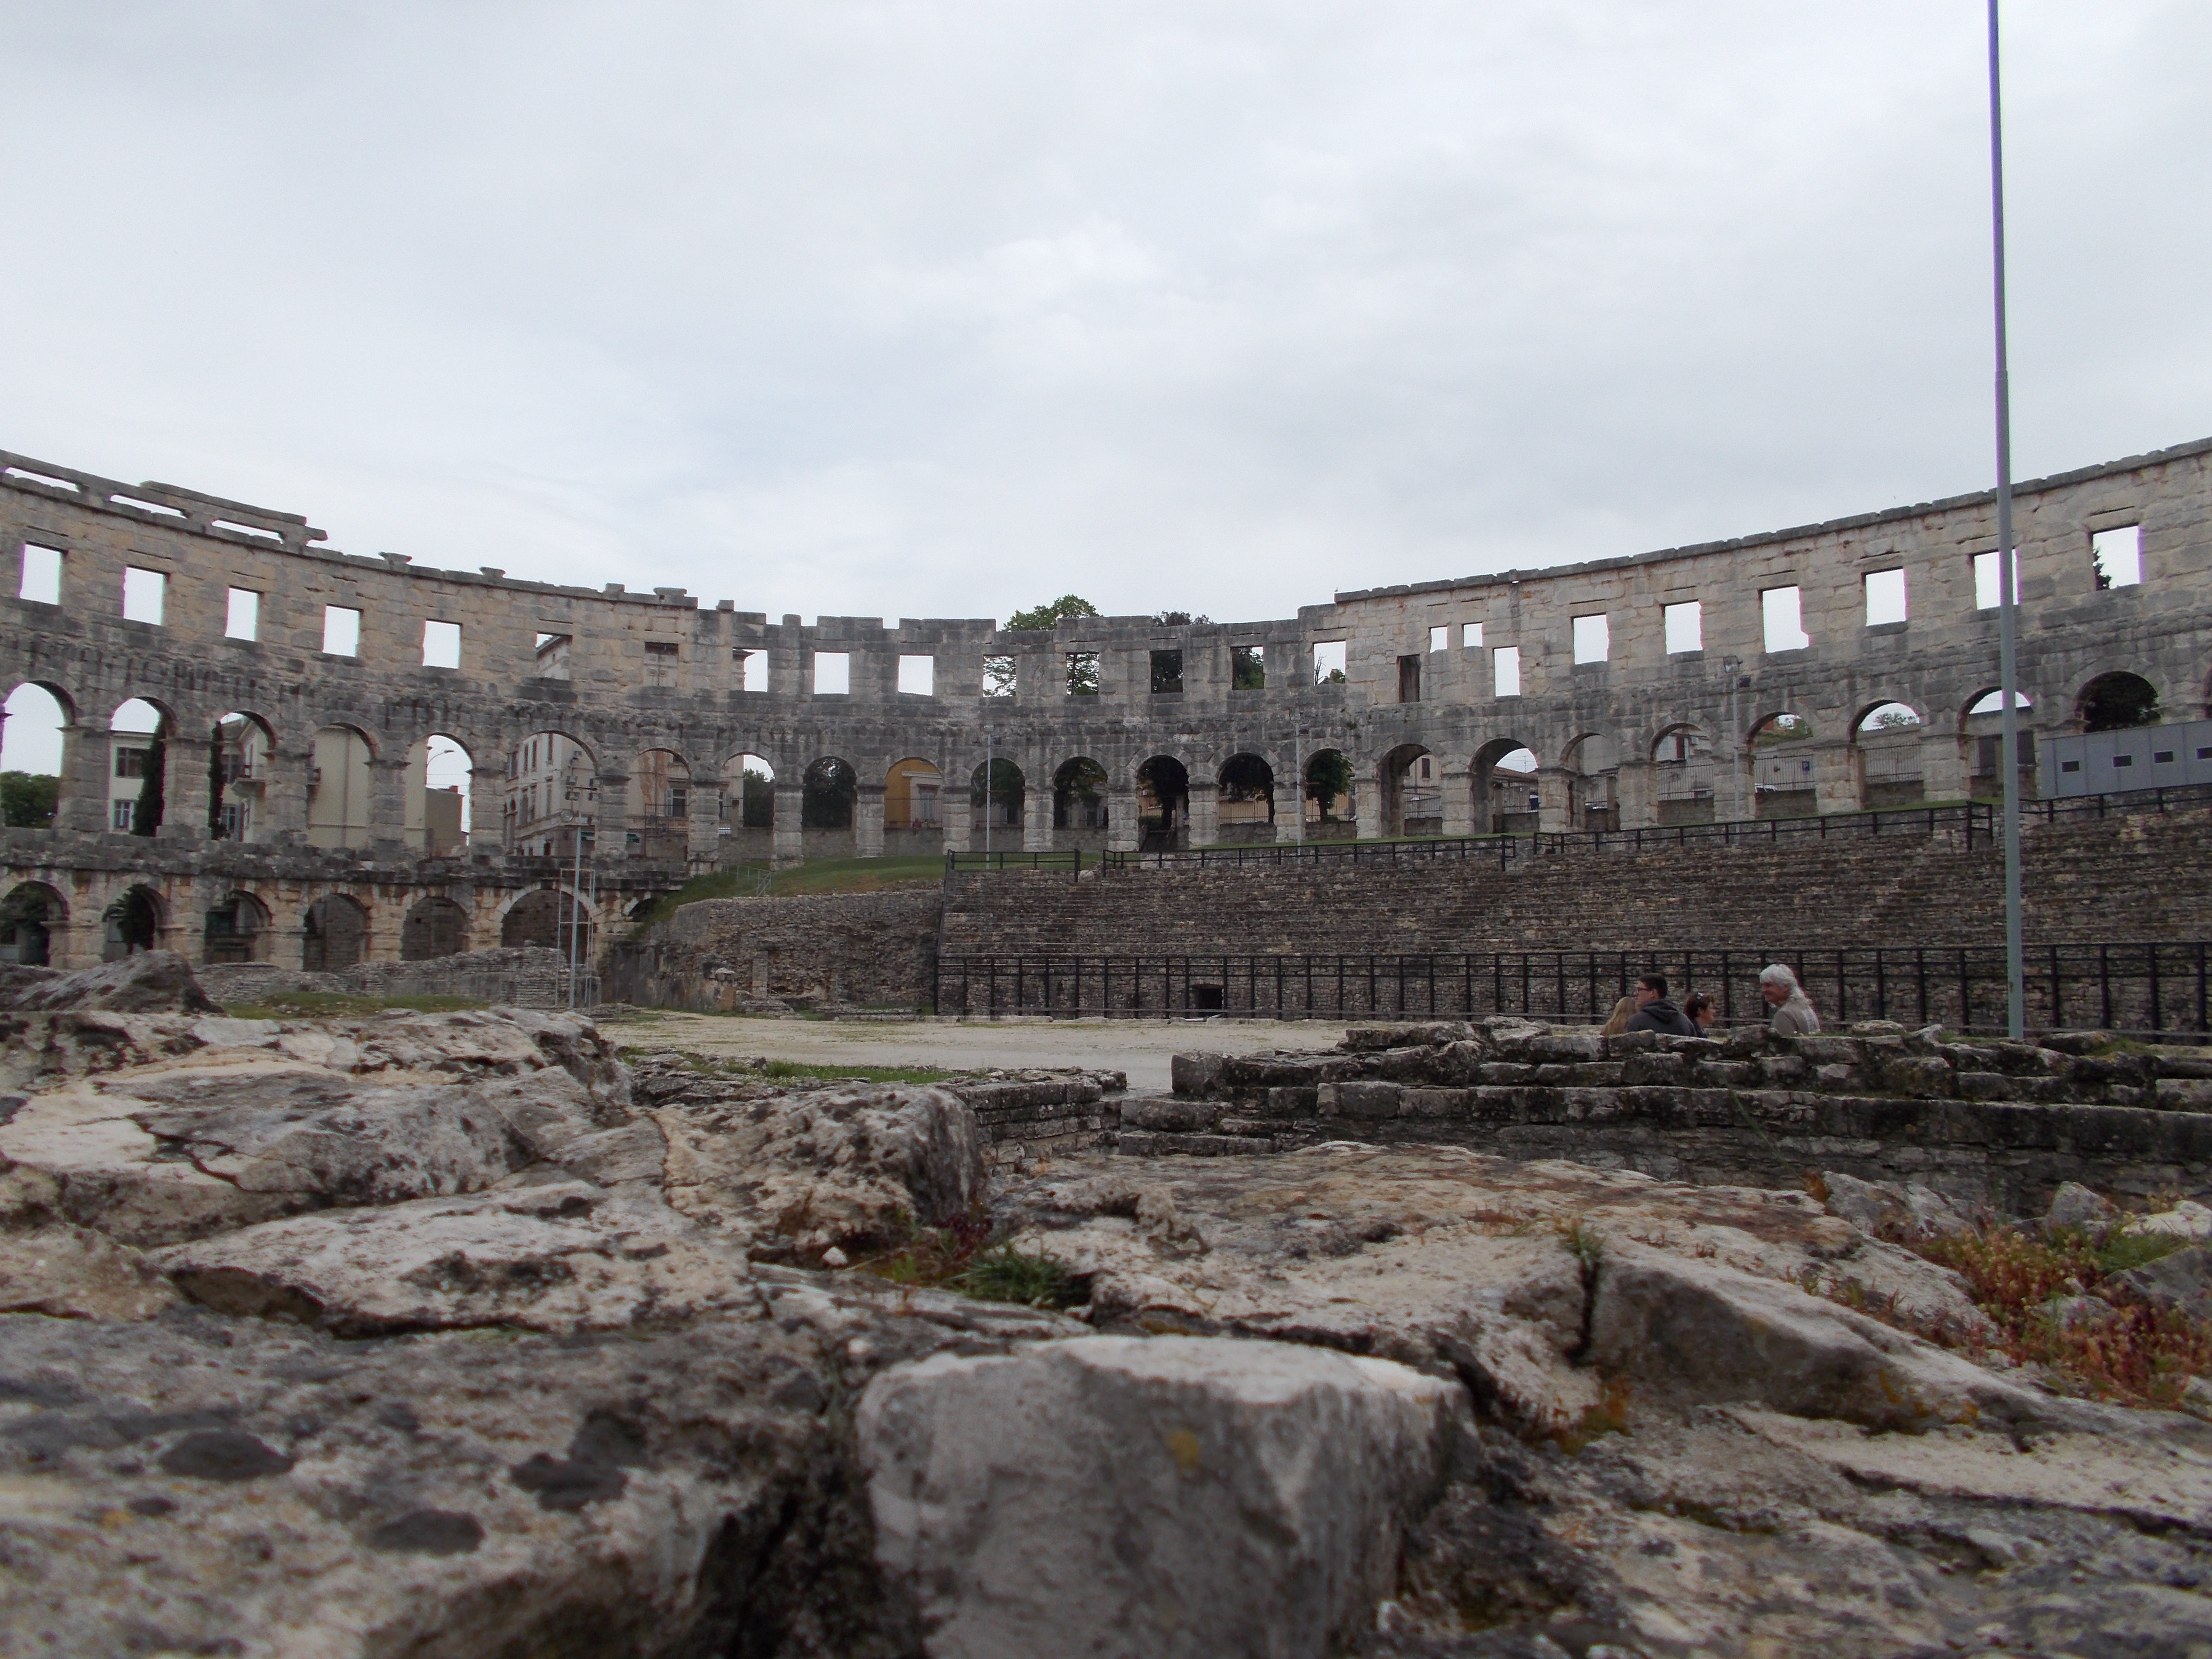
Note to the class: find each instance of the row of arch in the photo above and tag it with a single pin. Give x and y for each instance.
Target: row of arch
(334, 930)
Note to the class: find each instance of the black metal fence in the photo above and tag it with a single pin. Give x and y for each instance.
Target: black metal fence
(2132, 987)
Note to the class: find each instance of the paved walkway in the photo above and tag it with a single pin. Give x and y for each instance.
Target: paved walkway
(1141, 1048)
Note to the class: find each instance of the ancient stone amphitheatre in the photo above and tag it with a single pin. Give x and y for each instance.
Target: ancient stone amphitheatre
(596, 1205)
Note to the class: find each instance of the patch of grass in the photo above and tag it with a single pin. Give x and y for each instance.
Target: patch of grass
(968, 1255)
(1007, 1275)
(815, 876)
(336, 1005)
(792, 1071)
(1585, 1245)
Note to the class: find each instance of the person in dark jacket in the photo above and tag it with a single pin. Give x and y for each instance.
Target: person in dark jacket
(1655, 1013)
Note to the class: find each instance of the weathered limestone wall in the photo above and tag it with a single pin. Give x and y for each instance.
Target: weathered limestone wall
(872, 950)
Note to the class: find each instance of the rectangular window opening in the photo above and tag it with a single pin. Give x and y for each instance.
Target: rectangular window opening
(917, 677)
(661, 657)
(1505, 670)
(752, 667)
(1248, 667)
(2117, 555)
(1409, 679)
(1440, 639)
(441, 644)
(1986, 597)
(1329, 662)
(1885, 596)
(1686, 627)
(998, 677)
(1470, 636)
(1082, 673)
(42, 573)
(1167, 673)
(552, 656)
(1593, 638)
(241, 614)
(833, 674)
(341, 631)
(143, 592)
(1783, 613)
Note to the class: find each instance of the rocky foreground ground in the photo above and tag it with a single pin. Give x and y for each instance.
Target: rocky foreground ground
(455, 1334)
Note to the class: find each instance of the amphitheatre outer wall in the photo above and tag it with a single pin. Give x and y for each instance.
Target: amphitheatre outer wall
(1642, 737)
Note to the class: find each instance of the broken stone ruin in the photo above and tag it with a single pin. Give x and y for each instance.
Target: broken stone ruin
(452, 1335)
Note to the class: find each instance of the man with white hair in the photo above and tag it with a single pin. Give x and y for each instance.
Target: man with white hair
(1793, 1014)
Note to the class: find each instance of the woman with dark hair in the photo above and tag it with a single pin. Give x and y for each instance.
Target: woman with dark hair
(1699, 1007)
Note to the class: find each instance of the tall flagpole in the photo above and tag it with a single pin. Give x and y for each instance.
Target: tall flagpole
(2007, 627)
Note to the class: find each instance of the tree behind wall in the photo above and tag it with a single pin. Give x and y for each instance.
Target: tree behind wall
(146, 814)
(1328, 776)
(27, 799)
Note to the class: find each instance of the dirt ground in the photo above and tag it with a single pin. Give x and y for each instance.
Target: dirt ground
(1141, 1048)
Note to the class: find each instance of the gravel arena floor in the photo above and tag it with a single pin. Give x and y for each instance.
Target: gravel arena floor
(1142, 1048)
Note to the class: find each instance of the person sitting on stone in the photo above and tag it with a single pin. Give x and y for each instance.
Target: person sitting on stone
(1698, 1008)
(1793, 1012)
(1623, 1011)
(1655, 1013)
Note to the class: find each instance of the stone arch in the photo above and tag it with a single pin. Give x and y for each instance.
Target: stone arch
(1410, 786)
(552, 794)
(1783, 766)
(138, 783)
(1079, 795)
(433, 927)
(335, 934)
(339, 787)
(914, 792)
(657, 814)
(747, 813)
(1162, 803)
(829, 793)
(1591, 761)
(549, 917)
(1245, 809)
(1888, 743)
(440, 778)
(135, 922)
(29, 916)
(1507, 797)
(241, 750)
(1683, 774)
(2116, 701)
(1981, 733)
(236, 930)
(36, 731)
(1328, 795)
(997, 793)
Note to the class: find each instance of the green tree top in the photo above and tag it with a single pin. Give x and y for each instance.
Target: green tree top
(1045, 617)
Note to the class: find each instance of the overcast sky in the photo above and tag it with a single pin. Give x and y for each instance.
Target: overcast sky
(937, 309)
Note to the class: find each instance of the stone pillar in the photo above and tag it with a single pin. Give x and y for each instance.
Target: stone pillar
(703, 838)
(284, 796)
(1637, 794)
(610, 839)
(183, 790)
(1943, 770)
(1456, 784)
(1835, 775)
(958, 815)
(387, 804)
(1036, 813)
(487, 807)
(1367, 805)
(1122, 830)
(790, 847)
(85, 760)
(1205, 811)
(868, 822)
(1555, 794)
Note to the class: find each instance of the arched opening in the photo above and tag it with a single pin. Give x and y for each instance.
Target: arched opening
(29, 918)
(337, 934)
(1245, 808)
(1326, 798)
(137, 774)
(31, 757)
(239, 752)
(1592, 763)
(436, 927)
(1982, 726)
(1411, 779)
(747, 811)
(913, 810)
(131, 924)
(1782, 776)
(1888, 755)
(1078, 796)
(338, 789)
(2118, 702)
(440, 771)
(1682, 774)
(552, 796)
(237, 930)
(830, 791)
(1507, 801)
(550, 918)
(658, 819)
(996, 793)
(1163, 804)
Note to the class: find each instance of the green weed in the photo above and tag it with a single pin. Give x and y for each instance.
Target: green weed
(335, 1005)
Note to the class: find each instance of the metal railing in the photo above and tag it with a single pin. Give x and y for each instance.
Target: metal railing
(2144, 987)
(967, 863)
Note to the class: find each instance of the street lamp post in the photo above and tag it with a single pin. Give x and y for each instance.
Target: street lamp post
(2007, 627)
